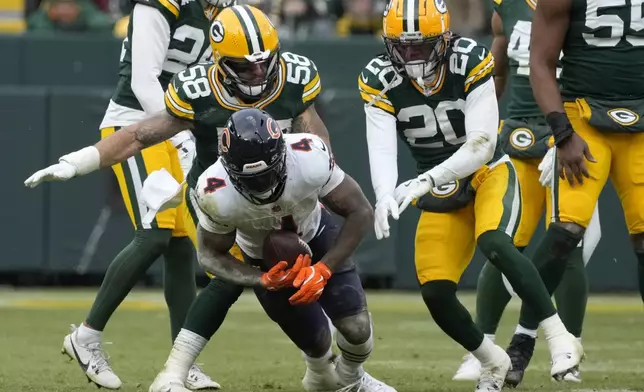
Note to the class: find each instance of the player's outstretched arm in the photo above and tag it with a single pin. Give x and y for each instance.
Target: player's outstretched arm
(310, 122)
(500, 53)
(213, 255)
(113, 149)
(348, 201)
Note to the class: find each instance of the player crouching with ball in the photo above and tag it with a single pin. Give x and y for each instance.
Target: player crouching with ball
(264, 181)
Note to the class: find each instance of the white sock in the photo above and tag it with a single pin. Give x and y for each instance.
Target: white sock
(525, 331)
(490, 336)
(553, 327)
(86, 335)
(187, 347)
(486, 353)
(318, 364)
(353, 356)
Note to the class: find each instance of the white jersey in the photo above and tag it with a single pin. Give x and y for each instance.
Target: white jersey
(311, 174)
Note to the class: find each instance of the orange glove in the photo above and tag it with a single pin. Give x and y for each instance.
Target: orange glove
(311, 282)
(280, 277)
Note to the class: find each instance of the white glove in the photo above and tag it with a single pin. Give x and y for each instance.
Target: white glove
(384, 207)
(160, 192)
(547, 168)
(411, 190)
(187, 154)
(62, 171)
(77, 163)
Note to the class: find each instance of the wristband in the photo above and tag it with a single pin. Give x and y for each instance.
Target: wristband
(85, 160)
(560, 126)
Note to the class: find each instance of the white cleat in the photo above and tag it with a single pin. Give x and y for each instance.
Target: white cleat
(198, 380)
(167, 382)
(470, 369)
(92, 360)
(566, 353)
(320, 381)
(366, 383)
(573, 376)
(493, 376)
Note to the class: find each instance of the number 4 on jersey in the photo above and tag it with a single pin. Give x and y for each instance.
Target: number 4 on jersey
(212, 184)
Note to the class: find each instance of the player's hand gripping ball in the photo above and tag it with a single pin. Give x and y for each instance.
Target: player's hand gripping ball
(284, 255)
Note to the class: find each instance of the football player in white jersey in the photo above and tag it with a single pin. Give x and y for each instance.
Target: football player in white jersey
(265, 181)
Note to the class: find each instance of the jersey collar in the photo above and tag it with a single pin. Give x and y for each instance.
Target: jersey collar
(231, 103)
(433, 88)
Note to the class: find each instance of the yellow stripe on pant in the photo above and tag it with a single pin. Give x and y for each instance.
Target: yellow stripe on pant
(445, 242)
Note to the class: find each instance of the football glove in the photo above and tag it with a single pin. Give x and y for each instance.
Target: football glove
(384, 207)
(411, 190)
(311, 282)
(62, 171)
(187, 152)
(280, 277)
(547, 168)
(77, 163)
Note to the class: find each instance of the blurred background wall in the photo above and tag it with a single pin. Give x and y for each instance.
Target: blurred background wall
(58, 66)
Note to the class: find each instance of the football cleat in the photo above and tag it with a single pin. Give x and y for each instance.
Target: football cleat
(566, 353)
(573, 376)
(470, 369)
(366, 383)
(520, 350)
(320, 381)
(493, 375)
(167, 382)
(92, 359)
(198, 380)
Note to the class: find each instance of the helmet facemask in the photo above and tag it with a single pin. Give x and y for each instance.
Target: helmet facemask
(260, 182)
(418, 57)
(252, 77)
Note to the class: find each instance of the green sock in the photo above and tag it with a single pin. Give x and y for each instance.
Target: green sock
(572, 294)
(450, 315)
(491, 298)
(640, 271)
(521, 273)
(550, 257)
(179, 285)
(209, 310)
(125, 270)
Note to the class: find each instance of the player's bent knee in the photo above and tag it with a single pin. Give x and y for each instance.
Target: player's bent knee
(152, 240)
(571, 227)
(437, 293)
(491, 240)
(355, 329)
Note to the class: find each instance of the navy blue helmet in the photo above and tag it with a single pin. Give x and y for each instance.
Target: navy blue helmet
(253, 153)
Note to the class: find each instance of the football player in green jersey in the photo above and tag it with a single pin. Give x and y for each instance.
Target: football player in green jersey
(435, 91)
(595, 118)
(525, 137)
(164, 37)
(249, 71)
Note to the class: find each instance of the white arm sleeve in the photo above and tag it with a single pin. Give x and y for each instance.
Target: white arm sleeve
(383, 151)
(150, 40)
(481, 123)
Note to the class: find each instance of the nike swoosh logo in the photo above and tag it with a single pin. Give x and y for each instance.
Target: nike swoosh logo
(482, 55)
(364, 79)
(83, 366)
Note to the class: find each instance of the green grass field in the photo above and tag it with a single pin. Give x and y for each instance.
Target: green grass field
(251, 354)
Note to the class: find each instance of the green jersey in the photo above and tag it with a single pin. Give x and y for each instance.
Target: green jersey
(197, 94)
(430, 121)
(189, 44)
(604, 51)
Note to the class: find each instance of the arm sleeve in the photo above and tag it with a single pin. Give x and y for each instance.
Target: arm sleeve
(150, 40)
(383, 150)
(481, 122)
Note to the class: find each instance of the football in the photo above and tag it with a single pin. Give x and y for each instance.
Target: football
(283, 245)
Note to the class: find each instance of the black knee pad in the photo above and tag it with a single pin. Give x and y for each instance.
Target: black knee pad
(153, 240)
(490, 241)
(438, 294)
(355, 329)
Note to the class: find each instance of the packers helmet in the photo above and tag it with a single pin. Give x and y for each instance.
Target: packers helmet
(416, 35)
(245, 46)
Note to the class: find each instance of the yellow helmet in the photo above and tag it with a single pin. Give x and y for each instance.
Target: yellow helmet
(246, 48)
(416, 35)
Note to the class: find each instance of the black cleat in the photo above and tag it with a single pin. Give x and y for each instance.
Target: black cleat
(520, 351)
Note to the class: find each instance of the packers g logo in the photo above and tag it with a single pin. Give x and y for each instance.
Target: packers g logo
(446, 190)
(217, 31)
(624, 116)
(522, 139)
(440, 6)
